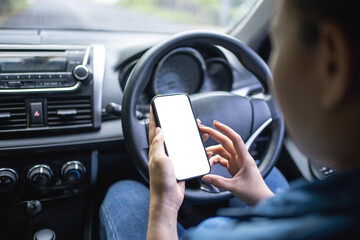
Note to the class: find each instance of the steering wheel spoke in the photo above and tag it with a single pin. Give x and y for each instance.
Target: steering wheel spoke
(257, 132)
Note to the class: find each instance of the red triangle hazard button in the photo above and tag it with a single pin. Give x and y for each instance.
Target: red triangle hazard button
(36, 114)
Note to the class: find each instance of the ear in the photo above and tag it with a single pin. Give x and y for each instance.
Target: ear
(335, 66)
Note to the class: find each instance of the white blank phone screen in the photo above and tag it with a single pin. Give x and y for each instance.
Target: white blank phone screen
(182, 138)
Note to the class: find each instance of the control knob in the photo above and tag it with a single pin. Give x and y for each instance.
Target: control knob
(8, 179)
(81, 72)
(73, 172)
(40, 175)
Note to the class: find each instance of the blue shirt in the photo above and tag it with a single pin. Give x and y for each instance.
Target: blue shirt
(328, 209)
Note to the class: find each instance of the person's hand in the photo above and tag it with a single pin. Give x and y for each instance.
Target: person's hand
(166, 193)
(164, 188)
(247, 183)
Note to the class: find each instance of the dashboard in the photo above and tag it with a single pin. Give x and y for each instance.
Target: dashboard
(55, 95)
(190, 69)
(55, 131)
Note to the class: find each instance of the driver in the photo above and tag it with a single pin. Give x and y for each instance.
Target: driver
(314, 59)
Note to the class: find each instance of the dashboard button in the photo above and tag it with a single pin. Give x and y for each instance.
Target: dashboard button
(40, 84)
(27, 76)
(60, 76)
(28, 84)
(5, 77)
(8, 179)
(50, 84)
(40, 175)
(43, 84)
(57, 83)
(39, 76)
(57, 75)
(36, 113)
(73, 172)
(81, 72)
(14, 84)
(49, 76)
(17, 76)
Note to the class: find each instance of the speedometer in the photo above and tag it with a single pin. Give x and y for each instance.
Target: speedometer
(181, 71)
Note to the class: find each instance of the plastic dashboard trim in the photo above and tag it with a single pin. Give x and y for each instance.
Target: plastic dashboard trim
(110, 131)
(99, 71)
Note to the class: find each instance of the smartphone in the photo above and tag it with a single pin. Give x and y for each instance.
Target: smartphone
(183, 143)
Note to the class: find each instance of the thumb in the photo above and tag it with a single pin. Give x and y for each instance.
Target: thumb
(157, 145)
(219, 181)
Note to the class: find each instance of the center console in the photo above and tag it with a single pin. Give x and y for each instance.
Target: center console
(47, 87)
(48, 90)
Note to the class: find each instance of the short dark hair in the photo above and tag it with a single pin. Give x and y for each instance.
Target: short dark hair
(342, 12)
(311, 13)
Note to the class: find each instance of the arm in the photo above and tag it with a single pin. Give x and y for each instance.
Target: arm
(166, 194)
(247, 183)
(162, 221)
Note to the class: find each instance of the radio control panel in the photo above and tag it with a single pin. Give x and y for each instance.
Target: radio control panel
(50, 87)
(36, 80)
(29, 69)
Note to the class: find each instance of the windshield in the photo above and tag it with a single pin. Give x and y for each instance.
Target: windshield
(123, 15)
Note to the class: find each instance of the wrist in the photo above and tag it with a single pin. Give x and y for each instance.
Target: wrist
(163, 206)
(254, 197)
(162, 220)
(260, 196)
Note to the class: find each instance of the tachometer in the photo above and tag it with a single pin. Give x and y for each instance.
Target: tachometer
(219, 76)
(180, 71)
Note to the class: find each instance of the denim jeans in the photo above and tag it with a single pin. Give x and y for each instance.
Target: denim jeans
(124, 212)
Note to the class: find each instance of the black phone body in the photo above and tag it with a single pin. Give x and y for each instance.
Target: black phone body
(174, 115)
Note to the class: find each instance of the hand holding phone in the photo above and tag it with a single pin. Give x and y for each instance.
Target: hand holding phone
(183, 143)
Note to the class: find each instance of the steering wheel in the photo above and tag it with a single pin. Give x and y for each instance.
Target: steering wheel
(248, 116)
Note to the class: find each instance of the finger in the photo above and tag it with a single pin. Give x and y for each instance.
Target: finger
(219, 150)
(221, 138)
(152, 125)
(160, 165)
(209, 154)
(237, 142)
(219, 181)
(218, 160)
(215, 148)
(204, 137)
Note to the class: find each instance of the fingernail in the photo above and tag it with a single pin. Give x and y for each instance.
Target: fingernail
(157, 130)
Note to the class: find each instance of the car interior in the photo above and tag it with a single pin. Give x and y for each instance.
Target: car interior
(75, 101)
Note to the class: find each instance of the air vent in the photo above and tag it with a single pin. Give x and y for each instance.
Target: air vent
(68, 112)
(12, 115)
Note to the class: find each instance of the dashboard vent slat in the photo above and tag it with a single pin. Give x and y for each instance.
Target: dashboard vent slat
(65, 112)
(71, 105)
(12, 114)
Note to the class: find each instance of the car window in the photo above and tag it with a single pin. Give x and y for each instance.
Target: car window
(123, 15)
